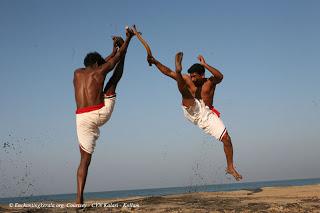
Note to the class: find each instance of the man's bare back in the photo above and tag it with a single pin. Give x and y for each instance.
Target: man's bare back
(88, 84)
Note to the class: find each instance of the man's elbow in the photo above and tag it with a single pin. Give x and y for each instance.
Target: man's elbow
(108, 66)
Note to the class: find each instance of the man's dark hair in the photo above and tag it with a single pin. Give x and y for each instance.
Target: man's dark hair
(92, 58)
(197, 68)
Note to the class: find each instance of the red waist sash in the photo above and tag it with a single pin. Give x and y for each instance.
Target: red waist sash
(215, 111)
(89, 108)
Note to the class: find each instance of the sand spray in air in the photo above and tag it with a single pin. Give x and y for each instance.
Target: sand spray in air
(16, 179)
(205, 168)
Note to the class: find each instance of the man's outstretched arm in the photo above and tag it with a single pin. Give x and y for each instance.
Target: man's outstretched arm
(165, 70)
(114, 51)
(110, 87)
(112, 61)
(217, 75)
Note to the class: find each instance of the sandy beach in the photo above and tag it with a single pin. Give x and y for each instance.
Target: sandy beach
(268, 199)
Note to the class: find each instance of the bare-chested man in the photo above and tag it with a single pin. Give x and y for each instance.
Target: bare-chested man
(197, 97)
(95, 103)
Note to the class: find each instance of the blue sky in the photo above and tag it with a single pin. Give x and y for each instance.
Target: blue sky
(268, 52)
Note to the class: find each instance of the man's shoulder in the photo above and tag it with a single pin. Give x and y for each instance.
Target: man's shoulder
(213, 80)
(78, 73)
(79, 70)
(185, 76)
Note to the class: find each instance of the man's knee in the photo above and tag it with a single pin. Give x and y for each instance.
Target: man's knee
(188, 102)
(110, 91)
(226, 139)
(85, 161)
(85, 158)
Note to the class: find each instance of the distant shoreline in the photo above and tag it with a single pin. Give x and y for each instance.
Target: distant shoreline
(250, 186)
(270, 199)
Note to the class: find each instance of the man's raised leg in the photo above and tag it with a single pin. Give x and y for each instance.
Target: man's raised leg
(82, 174)
(228, 150)
(110, 88)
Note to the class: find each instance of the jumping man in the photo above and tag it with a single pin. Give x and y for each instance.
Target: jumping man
(197, 96)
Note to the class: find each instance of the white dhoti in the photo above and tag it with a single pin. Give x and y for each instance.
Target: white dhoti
(89, 120)
(205, 118)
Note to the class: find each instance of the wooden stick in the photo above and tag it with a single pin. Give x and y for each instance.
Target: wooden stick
(145, 44)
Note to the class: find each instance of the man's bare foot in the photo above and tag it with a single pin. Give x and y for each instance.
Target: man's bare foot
(179, 57)
(79, 201)
(79, 206)
(234, 173)
(118, 41)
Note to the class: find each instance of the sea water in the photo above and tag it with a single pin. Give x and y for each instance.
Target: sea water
(162, 191)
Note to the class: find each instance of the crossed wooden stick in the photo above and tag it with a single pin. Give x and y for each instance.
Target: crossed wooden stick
(145, 44)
